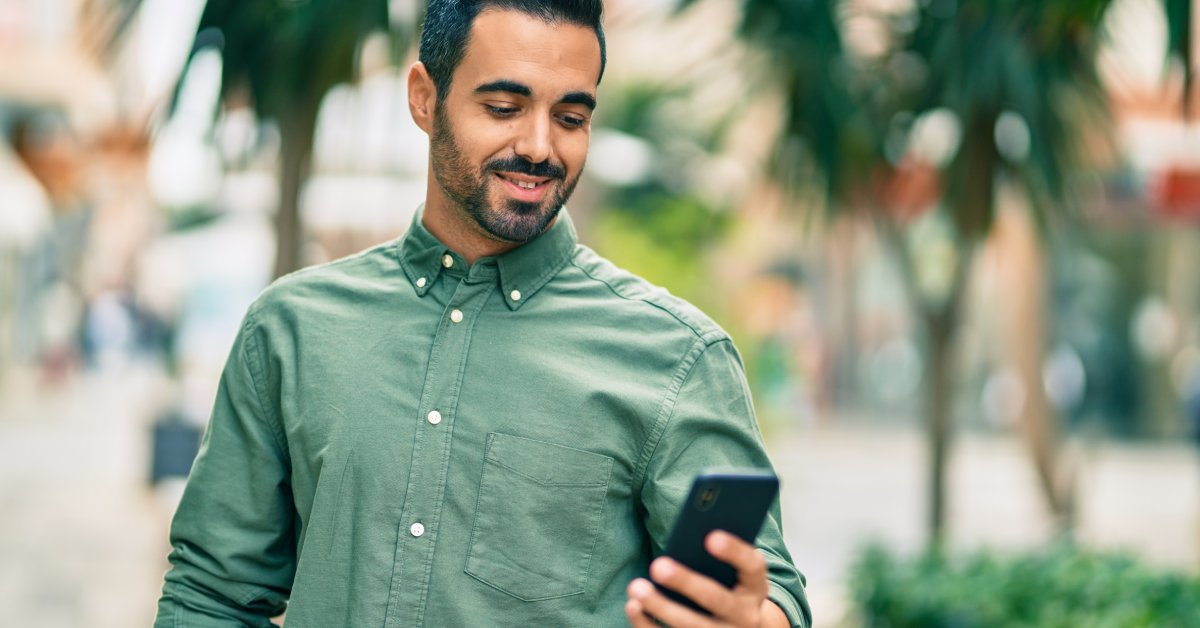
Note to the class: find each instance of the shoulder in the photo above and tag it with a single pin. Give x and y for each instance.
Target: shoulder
(343, 281)
(633, 297)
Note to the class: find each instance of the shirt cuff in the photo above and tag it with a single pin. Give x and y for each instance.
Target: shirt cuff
(785, 601)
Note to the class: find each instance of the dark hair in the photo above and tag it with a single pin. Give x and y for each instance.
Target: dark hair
(448, 26)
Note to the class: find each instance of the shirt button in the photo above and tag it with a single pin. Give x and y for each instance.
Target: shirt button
(416, 529)
(421, 282)
(447, 261)
(434, 417)
(515, 294)
(456, 316)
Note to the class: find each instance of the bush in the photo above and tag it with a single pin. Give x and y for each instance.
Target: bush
(1063, 587)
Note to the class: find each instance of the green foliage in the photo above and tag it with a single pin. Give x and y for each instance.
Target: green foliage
(1033, 59)
(191, 217)
(826, 134)
(1179, 44)
(640, 109)
(1179, 20)
(849, 113)
(1063, 587)
(290, 53)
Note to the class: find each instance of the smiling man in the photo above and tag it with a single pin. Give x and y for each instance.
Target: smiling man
(482, 423)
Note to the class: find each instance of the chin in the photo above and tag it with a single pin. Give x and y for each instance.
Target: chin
(517, 222)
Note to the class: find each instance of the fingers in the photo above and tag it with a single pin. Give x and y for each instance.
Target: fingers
(643, 594)
(741, 605)
(637, 616)
(701, 589)
(750, 564)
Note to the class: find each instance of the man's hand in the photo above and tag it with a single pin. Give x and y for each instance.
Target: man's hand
(744, 606)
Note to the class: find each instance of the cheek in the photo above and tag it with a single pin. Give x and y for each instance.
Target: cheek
(573, 151)
(481, 140)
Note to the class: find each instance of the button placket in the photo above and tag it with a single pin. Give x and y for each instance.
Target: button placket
(420, 513)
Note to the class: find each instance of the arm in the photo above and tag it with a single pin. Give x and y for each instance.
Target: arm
(711, 423)
(233, 552)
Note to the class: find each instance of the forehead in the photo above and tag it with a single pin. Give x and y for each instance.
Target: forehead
(552, 58)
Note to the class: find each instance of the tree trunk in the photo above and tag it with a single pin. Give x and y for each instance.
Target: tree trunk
(940, 321)
(940, 318)
(972, 194)
(297, 128)
(940, 400)
(843, 253)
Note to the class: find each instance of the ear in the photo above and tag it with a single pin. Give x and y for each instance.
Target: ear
(422, 96)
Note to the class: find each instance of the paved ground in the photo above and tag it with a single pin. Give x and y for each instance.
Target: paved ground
(83, 540)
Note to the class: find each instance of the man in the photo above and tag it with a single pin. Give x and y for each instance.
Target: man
(482, 423)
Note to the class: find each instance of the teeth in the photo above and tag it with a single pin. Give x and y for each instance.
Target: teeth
(522, 184)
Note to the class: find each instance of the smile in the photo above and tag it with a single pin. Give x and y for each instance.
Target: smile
(522, 181)
(524, 188)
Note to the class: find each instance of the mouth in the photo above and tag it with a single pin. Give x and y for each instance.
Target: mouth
(524, 187)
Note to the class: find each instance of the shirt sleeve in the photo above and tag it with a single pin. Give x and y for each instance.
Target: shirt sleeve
(233, 550)
(711, 423)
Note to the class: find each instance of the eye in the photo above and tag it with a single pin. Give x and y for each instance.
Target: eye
(501, 112)
(572, 121)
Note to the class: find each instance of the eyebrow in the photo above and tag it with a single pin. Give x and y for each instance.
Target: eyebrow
(580, 98)
(505, 85)
(520, 89)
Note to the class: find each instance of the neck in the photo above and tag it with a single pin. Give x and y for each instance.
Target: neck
(457, 230)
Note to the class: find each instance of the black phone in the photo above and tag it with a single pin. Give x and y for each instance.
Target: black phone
(733, 500)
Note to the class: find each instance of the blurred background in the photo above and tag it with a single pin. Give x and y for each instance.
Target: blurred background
(957, 243)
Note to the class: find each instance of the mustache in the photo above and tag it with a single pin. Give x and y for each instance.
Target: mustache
(520, 165)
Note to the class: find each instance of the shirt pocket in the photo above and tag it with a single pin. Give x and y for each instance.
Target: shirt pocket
(537, 517)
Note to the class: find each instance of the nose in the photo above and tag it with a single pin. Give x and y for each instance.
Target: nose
(533, 143)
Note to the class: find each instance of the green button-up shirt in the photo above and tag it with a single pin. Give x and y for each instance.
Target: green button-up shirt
(402, 440)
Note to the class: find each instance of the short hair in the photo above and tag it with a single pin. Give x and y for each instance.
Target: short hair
(447, 28)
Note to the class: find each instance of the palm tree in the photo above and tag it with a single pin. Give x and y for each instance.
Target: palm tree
(284, 56)
(1016, 83)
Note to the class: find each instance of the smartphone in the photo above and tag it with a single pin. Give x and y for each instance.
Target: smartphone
(730, 499)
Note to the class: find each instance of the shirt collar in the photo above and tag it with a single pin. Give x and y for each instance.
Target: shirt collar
(523, 271)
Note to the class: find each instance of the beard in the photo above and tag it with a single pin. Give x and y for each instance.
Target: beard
(506, 219)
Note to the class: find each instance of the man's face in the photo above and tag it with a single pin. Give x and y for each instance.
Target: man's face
(510, 138)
